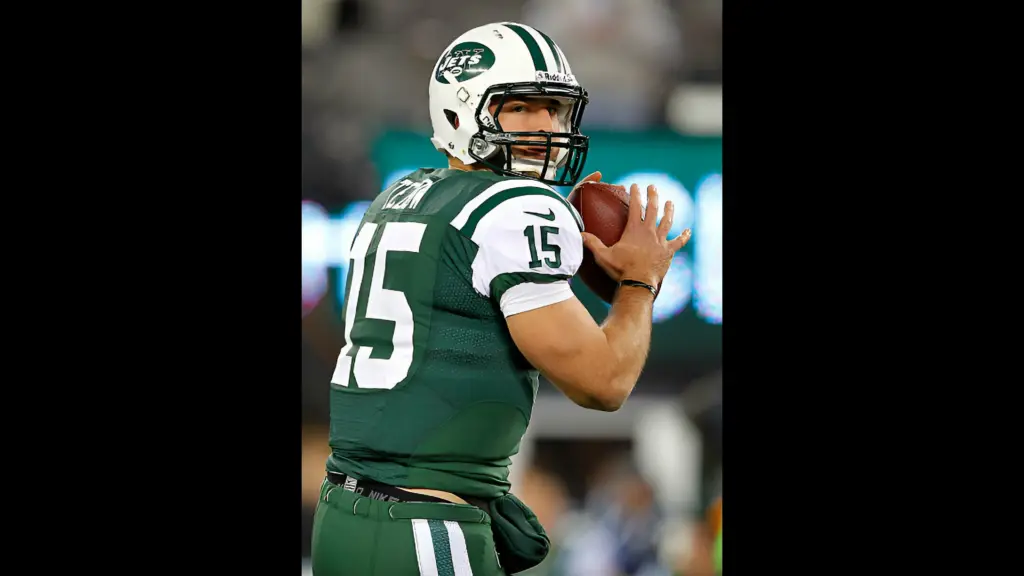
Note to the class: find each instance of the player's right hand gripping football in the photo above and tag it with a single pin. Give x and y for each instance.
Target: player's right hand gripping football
(644, 253)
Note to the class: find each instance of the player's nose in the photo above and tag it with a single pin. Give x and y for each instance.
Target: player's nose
(541, 121)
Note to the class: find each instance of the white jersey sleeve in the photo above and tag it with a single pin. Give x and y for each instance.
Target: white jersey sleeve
(528, 244)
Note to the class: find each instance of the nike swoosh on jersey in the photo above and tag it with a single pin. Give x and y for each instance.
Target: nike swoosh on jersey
(549, 216)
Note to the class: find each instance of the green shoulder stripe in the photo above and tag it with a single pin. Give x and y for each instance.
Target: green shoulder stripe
(494, 195)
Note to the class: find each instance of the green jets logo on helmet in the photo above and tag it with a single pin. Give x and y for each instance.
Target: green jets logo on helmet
(465, 61)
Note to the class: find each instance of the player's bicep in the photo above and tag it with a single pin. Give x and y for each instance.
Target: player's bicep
(564, 343)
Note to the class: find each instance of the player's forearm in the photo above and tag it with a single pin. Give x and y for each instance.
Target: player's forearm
(628, 331)
(594, 366)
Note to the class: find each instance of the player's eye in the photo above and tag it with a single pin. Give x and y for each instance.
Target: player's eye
(553, 110)
(518, 108)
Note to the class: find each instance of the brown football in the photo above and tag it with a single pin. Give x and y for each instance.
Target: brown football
(604, 209)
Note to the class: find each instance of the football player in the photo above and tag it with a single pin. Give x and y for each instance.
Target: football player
(457, 298)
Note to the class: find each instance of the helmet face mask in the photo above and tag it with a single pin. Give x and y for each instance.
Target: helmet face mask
(493, 65)
(565, 149)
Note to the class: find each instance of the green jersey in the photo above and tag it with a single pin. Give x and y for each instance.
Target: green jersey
(430, 391)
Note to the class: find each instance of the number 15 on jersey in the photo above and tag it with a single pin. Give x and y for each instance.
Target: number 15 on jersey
(380, 304)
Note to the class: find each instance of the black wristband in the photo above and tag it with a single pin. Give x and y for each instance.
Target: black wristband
(654, 291)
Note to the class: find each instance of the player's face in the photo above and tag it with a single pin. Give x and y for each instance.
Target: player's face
(530, 114)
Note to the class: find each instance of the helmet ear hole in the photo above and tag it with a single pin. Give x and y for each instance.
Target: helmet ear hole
(453, 118)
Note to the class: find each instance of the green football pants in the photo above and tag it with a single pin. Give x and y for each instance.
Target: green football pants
(358, 536)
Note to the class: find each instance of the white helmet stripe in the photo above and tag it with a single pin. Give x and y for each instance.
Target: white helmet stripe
(542, 58)
(565, 61)
(553, 60)
(563, 64)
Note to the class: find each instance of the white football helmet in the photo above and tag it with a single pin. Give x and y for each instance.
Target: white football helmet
(497, 61)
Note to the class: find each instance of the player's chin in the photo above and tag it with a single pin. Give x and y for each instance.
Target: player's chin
(534, 171)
